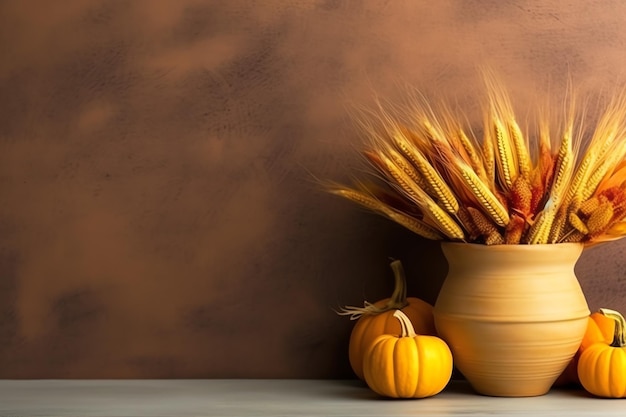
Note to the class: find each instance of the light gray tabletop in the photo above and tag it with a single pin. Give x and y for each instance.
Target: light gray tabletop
(243, 397)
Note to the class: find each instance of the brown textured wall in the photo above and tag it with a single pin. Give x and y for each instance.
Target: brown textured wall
(158, 213)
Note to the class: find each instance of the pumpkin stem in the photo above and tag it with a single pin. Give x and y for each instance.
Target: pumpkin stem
(405, 323)
(396, 301)
(398, 297)
(619, 337)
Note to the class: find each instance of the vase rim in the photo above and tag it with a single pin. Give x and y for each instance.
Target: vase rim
(505, 246)
(562, 249)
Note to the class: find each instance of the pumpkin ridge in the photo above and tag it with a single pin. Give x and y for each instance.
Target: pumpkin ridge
(396, 365)
(420, 370)
(388, 372)
(616, 380)
(611, 377)
(371, 369)
(417, 380)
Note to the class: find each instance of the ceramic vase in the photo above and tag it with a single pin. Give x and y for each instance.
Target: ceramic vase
(513, 315)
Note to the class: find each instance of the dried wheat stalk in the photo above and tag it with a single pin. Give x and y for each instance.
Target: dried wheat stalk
(441, 182)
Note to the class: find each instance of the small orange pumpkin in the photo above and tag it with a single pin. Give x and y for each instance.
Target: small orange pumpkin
(602, 366)
(408, 365)
(377, 319)
(600, 328)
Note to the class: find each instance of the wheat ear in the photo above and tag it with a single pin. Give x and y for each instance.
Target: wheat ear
(501, 121)
(474, 157)
(414, 225)
(505, 160)
(488, 152)
(408, 169)
(540, 231)
(600, 172)
(432, 178)
(411, 223)
(430, 209)
(521, 148)
(483, 195)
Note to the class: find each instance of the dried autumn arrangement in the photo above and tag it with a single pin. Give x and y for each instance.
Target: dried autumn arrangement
(558, 182)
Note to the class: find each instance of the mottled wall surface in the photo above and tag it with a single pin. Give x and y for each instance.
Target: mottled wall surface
(159, 215)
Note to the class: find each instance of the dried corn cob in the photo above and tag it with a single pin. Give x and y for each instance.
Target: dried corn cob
(485, 226)
(467, 223)
(600, 218)
(520, 196)
(514, 230)
(589, 206)
(577, 223)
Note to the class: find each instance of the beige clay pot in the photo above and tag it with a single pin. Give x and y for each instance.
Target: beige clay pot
(513, 315)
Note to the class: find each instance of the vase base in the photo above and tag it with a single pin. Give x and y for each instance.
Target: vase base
(500, 389)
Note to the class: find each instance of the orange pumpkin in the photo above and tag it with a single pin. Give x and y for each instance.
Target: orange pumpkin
(407, 365)
(377, 319)
(600, 328)
(602, 366)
